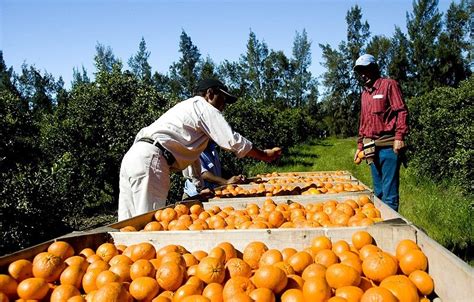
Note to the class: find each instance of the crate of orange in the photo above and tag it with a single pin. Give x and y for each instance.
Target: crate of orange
(317, 174)
(392, 263)
(315, 187)
(356, 210)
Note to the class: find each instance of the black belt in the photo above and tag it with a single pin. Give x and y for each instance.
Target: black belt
(166, 154)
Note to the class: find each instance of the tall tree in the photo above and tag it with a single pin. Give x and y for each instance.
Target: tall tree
(139, 63)
(301, 61)
(424, 27)
(277, 75)
(253, 62)
(37, 89)
(341, 100)
(104, 59)
(207, 69)
(184, 73)
(398, 67)
(80, 77)
(453, 43)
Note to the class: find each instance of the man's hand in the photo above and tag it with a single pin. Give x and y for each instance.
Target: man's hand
(237, 179)
(398, 145)
(206, 193)
(356, 154)
(272, 154)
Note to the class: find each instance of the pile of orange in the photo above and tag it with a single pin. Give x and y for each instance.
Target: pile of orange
(324, 271)
(296, 174)
(311, 186)
(330, 213)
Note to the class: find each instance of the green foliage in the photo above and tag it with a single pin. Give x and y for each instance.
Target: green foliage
(442, 134)
(266, 126)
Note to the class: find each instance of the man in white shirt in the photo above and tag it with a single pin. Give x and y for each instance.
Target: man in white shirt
(175, 141)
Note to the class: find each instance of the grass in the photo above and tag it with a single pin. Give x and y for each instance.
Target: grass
(439, 209)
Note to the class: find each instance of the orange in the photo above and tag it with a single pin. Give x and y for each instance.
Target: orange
(106, 277)
(423, 282)
(293, 295)
(144, 288)
(378, 294)
(106, 251)
(316, 289)
(61, 249)
(238, 267)
(48, 266)
(142, 268)
(8, 285)
(111, 292)
(270, 277)
(401, 287)
(211, 270)
(237, 285)
(186, 290)
(340, 275)
(253, 252)
(361, 238)
(350, 293)
(300, 261)
(21, 269)
(326, 257)
(314, 270)
(340, 246)
(413, 260)
(63, 293)
(213, 291)
(379, 266)
(32, 288)
(262, 295)
(170, 276)
(73, 275)
(405, 245)
(320, 243)
(270, 257)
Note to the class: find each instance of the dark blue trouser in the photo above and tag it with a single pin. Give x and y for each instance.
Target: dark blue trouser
(386, 176)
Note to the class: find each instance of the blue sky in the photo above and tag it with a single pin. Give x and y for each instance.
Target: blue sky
(58, 35)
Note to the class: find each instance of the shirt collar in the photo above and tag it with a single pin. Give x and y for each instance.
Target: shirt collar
(374, 87)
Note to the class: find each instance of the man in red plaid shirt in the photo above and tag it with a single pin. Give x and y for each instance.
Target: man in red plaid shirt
(383, 123)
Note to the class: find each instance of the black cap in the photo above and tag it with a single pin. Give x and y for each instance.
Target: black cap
(204, 84)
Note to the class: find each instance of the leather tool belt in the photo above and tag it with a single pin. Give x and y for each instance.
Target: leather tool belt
(370, 145)
(166, 154)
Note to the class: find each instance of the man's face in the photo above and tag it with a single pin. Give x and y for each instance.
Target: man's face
(367, 75)
(216, 98)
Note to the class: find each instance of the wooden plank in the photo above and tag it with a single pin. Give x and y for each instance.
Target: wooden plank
(454, 279)
(384, 234)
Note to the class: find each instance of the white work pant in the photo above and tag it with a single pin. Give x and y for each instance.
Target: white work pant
(144, 181)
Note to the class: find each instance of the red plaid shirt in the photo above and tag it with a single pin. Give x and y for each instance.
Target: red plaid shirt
(383, 111)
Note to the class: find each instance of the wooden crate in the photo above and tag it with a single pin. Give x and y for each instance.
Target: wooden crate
(454, 279)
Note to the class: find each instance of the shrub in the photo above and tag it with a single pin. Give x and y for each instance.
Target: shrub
(442, 134)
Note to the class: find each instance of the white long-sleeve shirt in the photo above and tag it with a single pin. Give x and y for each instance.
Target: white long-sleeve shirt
(185, 130)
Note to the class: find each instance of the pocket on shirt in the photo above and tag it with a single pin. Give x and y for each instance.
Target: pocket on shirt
(379, 104)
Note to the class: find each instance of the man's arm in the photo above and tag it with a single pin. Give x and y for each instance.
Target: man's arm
(267, 155)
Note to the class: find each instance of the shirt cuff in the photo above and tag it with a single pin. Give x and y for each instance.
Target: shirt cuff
(398, 136)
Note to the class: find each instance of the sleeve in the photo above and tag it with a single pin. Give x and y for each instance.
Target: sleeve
(213, 123)
(193, 174)
(204, 163)
(398, 105)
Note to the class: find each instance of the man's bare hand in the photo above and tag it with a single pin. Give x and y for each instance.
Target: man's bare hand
(272, 154)
(398, 145)
(237, 179)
